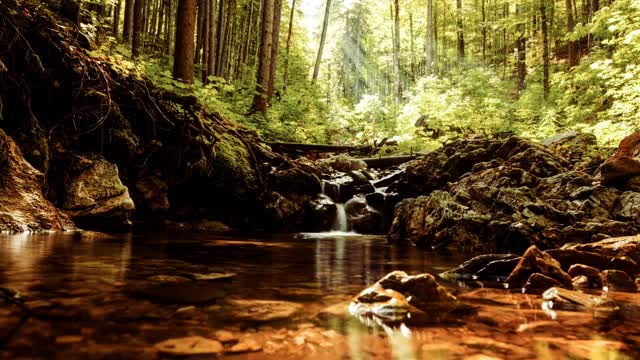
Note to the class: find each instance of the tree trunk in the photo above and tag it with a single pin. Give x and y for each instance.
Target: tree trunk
(212, 38)
(138, 28)
(545, 50)
(323, 37)
(160, 18)
(202, 8)
(484, 34)
(572, 48)
(289, 34)
(396, 52)
(260, 101)
(274, 47)
(184, 51)
(168, 41)
(116, 19)
(429, 50)
(205, 40)
(460, 31)
(220, 32)
(128, 21)
(521, 46)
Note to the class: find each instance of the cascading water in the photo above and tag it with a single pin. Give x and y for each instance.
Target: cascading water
(340, 222)
(332, 191)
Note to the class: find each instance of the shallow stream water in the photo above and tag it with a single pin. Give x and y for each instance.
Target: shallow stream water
(91, 296)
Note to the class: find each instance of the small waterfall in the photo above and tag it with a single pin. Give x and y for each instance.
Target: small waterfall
(340, 222)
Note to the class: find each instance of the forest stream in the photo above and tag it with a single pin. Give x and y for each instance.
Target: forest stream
(91, 296)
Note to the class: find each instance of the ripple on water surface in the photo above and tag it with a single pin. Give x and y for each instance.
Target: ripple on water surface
(283, 296)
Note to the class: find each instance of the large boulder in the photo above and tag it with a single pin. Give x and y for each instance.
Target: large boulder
(89, 190)
(624, 166)
(535, 261)
(363, 218)
(628, 246)
(23, 206)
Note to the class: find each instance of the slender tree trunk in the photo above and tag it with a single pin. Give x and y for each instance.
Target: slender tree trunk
(245, 57)
(323, 37)
(185, 29)
(220, 32)
(396, 51)
(168, 41)
(200, 29)
(154, 9)
(429, 50)
(205, 40)
(572, 48)
(274, 46)
(127, 32)
(460, 31)
(545, 50)
(484, 34)
(116, 19)
(412, 47)
(288, 51)
(161, 16)
(138, 27)
(521, 46)
(212, 38)
(261, 101)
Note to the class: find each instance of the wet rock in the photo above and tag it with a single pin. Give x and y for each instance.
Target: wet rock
(564, 299)
(363, 218)
(178, 292)
(498, 268)
(480, 262)
(189, 346)
(538, 283)
(345, 163)
(91, 191)
(591, 274)
(535, 261)
(294, 182)
(578, 148)
(376, 200)
(262, 310)
(245, 344)
(225, 336)
(581, 282)
(214, 227)
(23, 206)
(628, 206)
(437, 222)
(616, 280)
(624, 164)
(398, 296)
(628, 246)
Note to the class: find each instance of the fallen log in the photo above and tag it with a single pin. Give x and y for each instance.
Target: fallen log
(298, 147)
(387, 161)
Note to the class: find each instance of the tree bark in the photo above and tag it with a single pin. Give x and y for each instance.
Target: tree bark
(289, 35)
(127, 31)
(260, 101)
(572, 48)
(212, 38)
(484, 34)
(205, 41)
(116, 19)
(323, 37)
(274, 47)
(138, 28)
(460, 32)
(168, 41)
(184, 48)
(200, 29)
(545, 50)
(220, 32)
(396, 52)
(521, 46)
(429, 52)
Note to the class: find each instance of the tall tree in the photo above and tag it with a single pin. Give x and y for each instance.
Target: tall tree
(572, 47)
(220, 33)
(545, 48)
(116, 18)
(127, 31)
(212, 38)
(396, 52)
(429, 49)
(274, 46)
(323, 37)
(521, 47)
(185, 47)
(460, 31)
(168, 41)
(260, 101)
(288, 50)
(200, 29)
(138, 28)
